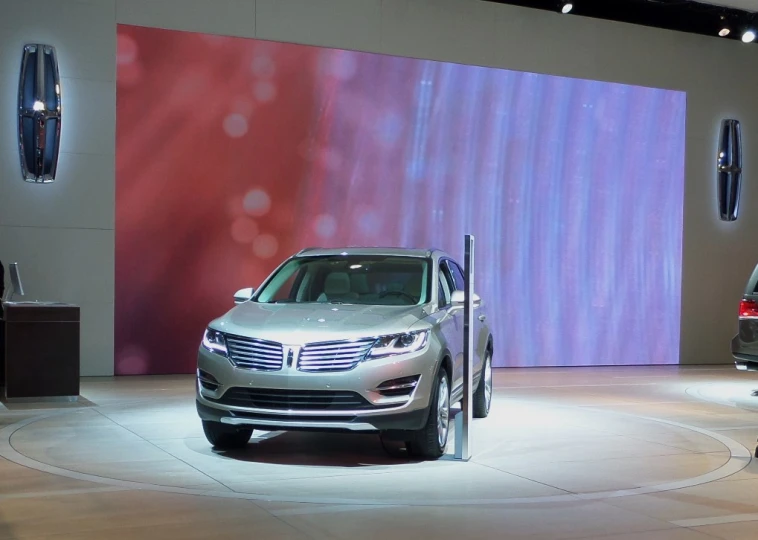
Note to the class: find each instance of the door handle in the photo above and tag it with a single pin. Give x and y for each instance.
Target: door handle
(482, 317)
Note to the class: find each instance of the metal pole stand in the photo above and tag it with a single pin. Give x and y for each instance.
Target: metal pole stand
(464, 418)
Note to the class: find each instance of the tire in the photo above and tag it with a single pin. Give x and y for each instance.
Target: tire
(483, 393)
(225, 437)
(431, 440)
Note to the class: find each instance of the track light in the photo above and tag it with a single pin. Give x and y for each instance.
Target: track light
(566, 7)
(748, 36)
(725, 26)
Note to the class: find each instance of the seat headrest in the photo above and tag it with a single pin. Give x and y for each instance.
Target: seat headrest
(337, 283)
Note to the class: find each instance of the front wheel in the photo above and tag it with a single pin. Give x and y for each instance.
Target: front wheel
(224, 437)
(431, 440)
(483, 393)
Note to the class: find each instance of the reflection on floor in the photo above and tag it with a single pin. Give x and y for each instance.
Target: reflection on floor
(605, 453)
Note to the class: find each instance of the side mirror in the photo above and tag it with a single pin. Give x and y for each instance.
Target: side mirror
(243, 295)
(458, 296)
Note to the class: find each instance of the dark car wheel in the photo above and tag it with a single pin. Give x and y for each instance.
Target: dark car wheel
(224, 437)
(431, 440)
(483, 393)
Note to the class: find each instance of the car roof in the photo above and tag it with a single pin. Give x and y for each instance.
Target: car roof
(381, 251)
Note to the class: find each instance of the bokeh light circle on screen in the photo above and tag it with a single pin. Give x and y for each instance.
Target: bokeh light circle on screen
(126, 50)
(573, 188)
(244, 230)
(235, 125)
(257, 202)
(265, 246)
(325, 226)
(263, 66)
(264, 91)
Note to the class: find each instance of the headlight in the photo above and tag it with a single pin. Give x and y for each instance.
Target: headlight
(214, 341)
(399, 344)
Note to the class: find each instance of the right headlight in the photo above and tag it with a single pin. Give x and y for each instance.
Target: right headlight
(214, 341)
(399, 344)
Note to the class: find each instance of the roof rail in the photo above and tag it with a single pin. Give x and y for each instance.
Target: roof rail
(305, 250)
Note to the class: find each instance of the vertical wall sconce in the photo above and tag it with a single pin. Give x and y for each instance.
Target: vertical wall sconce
(729, 169)
(39, 113)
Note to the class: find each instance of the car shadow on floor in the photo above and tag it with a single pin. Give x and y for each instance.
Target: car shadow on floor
(320, 450)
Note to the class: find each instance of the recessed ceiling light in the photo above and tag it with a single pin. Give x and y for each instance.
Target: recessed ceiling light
(748, 36)
(724, 32)
(566, 7)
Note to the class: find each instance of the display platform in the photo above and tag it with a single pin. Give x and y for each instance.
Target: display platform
(549, 443)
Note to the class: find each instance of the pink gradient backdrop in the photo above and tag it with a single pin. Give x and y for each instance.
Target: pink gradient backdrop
(234, 153)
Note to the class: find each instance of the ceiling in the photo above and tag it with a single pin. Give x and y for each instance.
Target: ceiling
(705, 17)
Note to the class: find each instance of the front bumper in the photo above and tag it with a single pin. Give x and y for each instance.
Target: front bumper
(379, 412)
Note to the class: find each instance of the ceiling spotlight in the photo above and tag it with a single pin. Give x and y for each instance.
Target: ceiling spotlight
(725, 25)
(748, 36)
(566, 7)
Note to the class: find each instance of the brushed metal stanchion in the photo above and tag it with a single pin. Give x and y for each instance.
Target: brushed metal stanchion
(464, 418)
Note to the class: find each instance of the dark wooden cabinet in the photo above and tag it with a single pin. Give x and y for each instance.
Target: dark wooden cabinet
(41, 350)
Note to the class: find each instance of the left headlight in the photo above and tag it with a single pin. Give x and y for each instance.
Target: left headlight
(214, 341)
(399, 344)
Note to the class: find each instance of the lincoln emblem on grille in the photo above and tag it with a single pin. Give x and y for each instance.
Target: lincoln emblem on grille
(39, 113)
(291, 354)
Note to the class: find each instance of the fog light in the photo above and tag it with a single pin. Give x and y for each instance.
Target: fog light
(207, 381)
(403, 386)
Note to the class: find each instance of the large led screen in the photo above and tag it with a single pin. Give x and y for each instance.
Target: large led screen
(232, 154)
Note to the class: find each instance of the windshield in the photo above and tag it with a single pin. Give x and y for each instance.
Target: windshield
(349, 279)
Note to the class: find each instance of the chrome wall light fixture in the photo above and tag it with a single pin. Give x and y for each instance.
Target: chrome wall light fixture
(729, 169)
(39, 113)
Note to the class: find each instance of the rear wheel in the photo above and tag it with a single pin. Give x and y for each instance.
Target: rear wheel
(431, 440)
(224, 437)
(483, 393)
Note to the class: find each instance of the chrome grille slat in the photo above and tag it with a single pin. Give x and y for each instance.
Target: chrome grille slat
(333, 356)
(249, 353)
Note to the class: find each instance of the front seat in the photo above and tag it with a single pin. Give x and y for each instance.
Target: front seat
(337, 287)
(413, 288)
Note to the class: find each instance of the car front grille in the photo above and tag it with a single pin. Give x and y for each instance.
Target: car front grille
(249, 353)
(293, 400)
(333, 355)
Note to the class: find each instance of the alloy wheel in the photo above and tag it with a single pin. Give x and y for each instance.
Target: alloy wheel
(488, 382)
(443, 411)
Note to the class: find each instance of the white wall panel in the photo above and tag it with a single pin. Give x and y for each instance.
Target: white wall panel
(62, 234)
(451, 30)
(347, 24)
(226, 17)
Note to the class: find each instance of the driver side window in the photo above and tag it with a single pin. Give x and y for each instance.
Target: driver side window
(444, 287)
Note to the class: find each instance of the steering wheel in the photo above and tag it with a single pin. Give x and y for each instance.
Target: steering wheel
(398, 293)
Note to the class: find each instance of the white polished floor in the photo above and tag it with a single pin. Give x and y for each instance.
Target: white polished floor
(605, 453)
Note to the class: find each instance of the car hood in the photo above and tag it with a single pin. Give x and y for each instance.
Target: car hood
(307, 323)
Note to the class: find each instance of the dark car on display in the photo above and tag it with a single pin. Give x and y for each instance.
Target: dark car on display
(745, 343)
(350, 340)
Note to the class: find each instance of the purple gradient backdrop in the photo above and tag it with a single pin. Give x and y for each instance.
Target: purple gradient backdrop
(573, 188)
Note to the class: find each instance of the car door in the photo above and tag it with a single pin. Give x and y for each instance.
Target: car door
(451, 326)
(479, 328)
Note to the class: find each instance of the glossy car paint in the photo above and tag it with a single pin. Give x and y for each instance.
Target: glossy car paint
(295, 325)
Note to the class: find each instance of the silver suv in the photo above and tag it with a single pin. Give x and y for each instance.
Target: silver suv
(357, 339)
